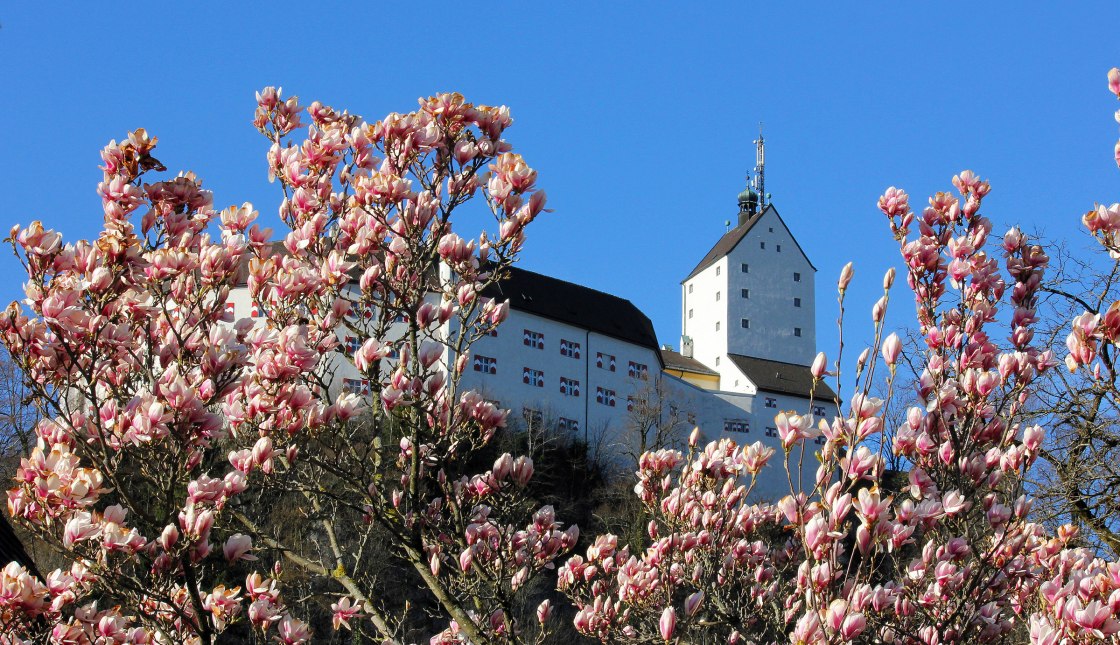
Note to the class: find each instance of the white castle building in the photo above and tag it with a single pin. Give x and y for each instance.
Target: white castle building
(588, 363)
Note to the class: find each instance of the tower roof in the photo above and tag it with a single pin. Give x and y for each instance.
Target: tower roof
(731, 239)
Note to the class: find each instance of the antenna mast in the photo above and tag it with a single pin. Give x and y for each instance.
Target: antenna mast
(760, 169)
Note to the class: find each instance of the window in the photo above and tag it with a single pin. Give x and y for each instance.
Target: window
(638, 370)
(797, 332)
(352, 345)
(399, 318)
(771, 229)
(690, 314)
(629, 404)
(746, 323)
(568, 425)
(736, 425)
(255, 311)
(762, 245)
(771, 432)
(569, 348)
(359, 386)
(797, 277)
(717, 270)
(569, 387)
(797, 302)
(746, 293)
(717, 296)
(692, 418)
(485, 364)
(532, 377)
(533, 339)
(230, 308)
(605, 397)
(673, 411)
(604, 361)
(717, 361)
(819, 441)
(818, 410)
(690, 288)
(532, 416)
(746, 268)
(771, 402)
(717, 325)
(779, 247)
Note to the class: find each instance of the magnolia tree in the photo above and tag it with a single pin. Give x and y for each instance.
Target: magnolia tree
(168, 427)
(943, 553)
(170, 430)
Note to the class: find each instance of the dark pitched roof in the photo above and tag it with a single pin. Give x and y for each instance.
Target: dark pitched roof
(575, 305)
(732, 238)
(674, 360)
(783, 378)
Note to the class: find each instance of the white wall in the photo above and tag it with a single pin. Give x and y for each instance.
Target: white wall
(771, 308)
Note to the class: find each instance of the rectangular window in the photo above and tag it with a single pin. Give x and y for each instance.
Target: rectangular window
(485, 364)
(532, 377)
(230, 308)
(717, 296)
(359, 386)
(569, 387)
(717, 325)
(533, 339)
(771, 402)
(746, 293)
(569, 348)
(690, 288)
(690, 314)
(819, 440)
(629, 404)
(604, 361)
(779, 249)
(771, 432)
(567, 425)
(532, 416)
(638, 370)
(352, 345)
(692, 418)
(762, 245)
(717, 270)
(797, 302)
(746, 323)
(746, 268)
(818, 410)
(255, 311)
(797, 277)
(717, 361)
(673, 411)
(605, 397)
(736, 425)
(797, 332)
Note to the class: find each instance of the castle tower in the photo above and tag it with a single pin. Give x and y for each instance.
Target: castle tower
(752, 295)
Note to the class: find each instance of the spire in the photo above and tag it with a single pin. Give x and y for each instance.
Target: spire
(760, 169)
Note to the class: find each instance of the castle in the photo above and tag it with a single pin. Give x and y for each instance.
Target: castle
(588, 363)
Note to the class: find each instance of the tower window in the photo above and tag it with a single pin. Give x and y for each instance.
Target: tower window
(746, 268)
(717, 361)
(690, 288)
(797, 332)
(717, 296)
(717, 325)
(779, 248)
(717, 270)
(746, 323)
(797, 302)
(762, 245)
(746, 293)
(771, 229)
(690, 314)
(797, 277)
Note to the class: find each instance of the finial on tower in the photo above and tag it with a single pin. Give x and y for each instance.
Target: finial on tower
(760, 169)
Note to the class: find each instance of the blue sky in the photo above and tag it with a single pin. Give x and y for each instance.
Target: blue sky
(639, 116)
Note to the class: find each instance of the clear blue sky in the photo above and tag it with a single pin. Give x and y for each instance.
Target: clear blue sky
(639, 116)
